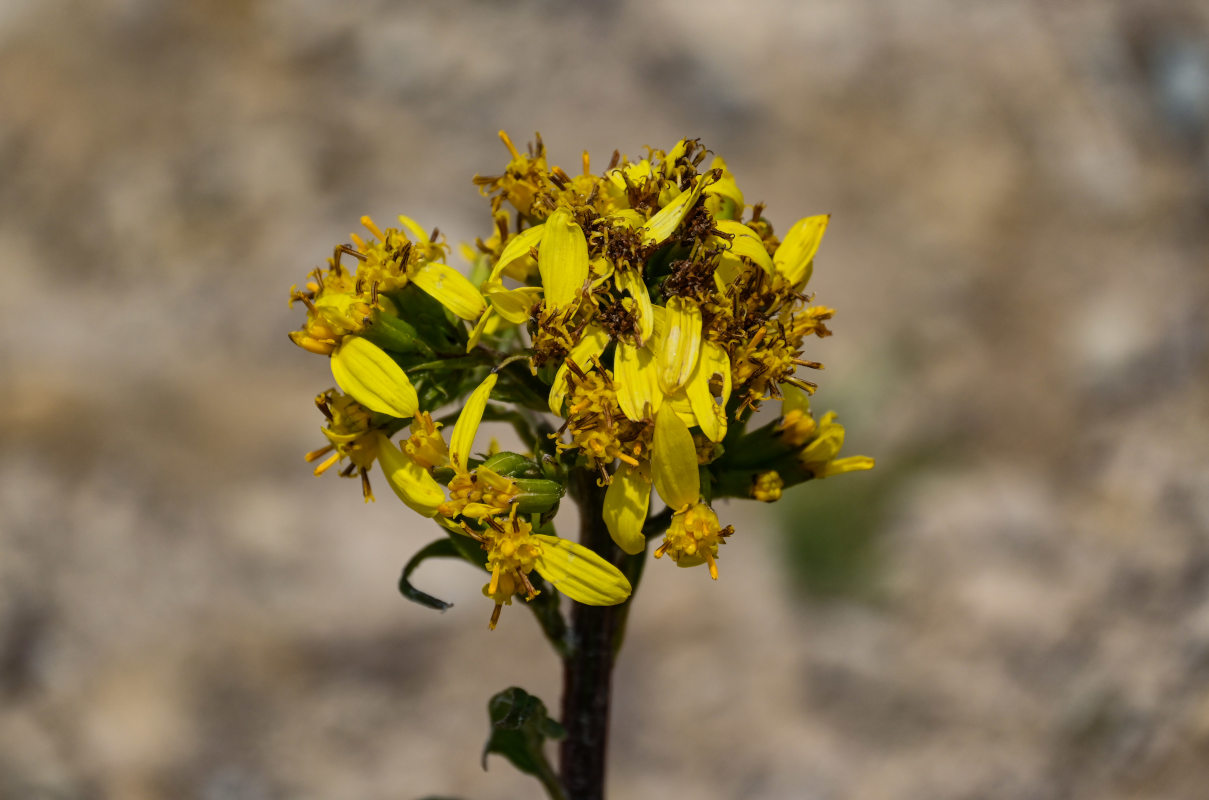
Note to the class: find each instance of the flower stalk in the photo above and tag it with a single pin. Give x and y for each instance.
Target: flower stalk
(593, 641)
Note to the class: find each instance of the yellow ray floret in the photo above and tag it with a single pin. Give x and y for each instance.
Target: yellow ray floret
(674, 461)
(693, 538)
(625, 506)
(468, 422)
(410, 481)
(680, 343)
(365, 371)
(562, 259)
(579, 573)
(637, 378)
(795, 257)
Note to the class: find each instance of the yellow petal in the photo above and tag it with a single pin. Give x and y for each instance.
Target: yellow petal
(827, 444)
(562, 259)
(629, 217)
(664, 223)
(413, 226)
(710, 415)
(410, 481)
(580, 573)
(794, 399)
(745, 243)
(679, 403)
(514, 304)
(680, 343)
(480, 328)
(590, 345)
(600, 270)
(629, 281)
(674, 461)
(462, 438)
(453, 289)
(517, 248)
(726, 187)
(795, 257)
(637, 380)
(365, 371)
(625, 506)
(841, 465)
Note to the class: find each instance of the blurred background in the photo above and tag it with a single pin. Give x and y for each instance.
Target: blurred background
(1014, 604)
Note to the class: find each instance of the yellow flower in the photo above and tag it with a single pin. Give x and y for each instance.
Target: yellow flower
(693, 538)
(351, 433)
(767, 486)
(513, 551)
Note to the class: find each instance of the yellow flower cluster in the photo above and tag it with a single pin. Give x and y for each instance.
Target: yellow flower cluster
(637, 305)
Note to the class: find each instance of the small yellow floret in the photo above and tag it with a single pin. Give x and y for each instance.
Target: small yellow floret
(693, 538)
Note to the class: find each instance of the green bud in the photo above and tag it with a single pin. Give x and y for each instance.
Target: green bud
(537, 495)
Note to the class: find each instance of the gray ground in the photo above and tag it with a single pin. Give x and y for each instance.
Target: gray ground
(1014, 605)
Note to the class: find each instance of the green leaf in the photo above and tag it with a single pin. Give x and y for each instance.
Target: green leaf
(441, 548)
(520, 727)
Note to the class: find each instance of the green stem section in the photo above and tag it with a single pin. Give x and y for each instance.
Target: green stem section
(588, 661)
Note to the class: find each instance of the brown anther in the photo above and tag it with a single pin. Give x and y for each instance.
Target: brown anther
(614, 161)
(530, 591)
(321, 404)
(472, 533)
(348, 471)
(574, 369)
(349, 250)
(810, 364)
(806, 386)
(366, 491)
(305, 300)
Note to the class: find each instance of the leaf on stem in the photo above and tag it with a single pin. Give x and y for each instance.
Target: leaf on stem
(520, 727)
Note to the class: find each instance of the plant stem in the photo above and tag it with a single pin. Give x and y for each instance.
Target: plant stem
(588, 662)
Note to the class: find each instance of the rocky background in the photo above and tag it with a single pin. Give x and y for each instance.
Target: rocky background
(1015, 604)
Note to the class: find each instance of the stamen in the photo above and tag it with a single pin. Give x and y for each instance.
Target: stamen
(372, 228)
(494, 586)
(515, 156)
(530, 592)
(713, 565)
(495, 616)
(321, 404)
(322, 451)
(366, 491)
(322, 468)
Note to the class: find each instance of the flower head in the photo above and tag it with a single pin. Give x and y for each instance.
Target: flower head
(646, 307)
